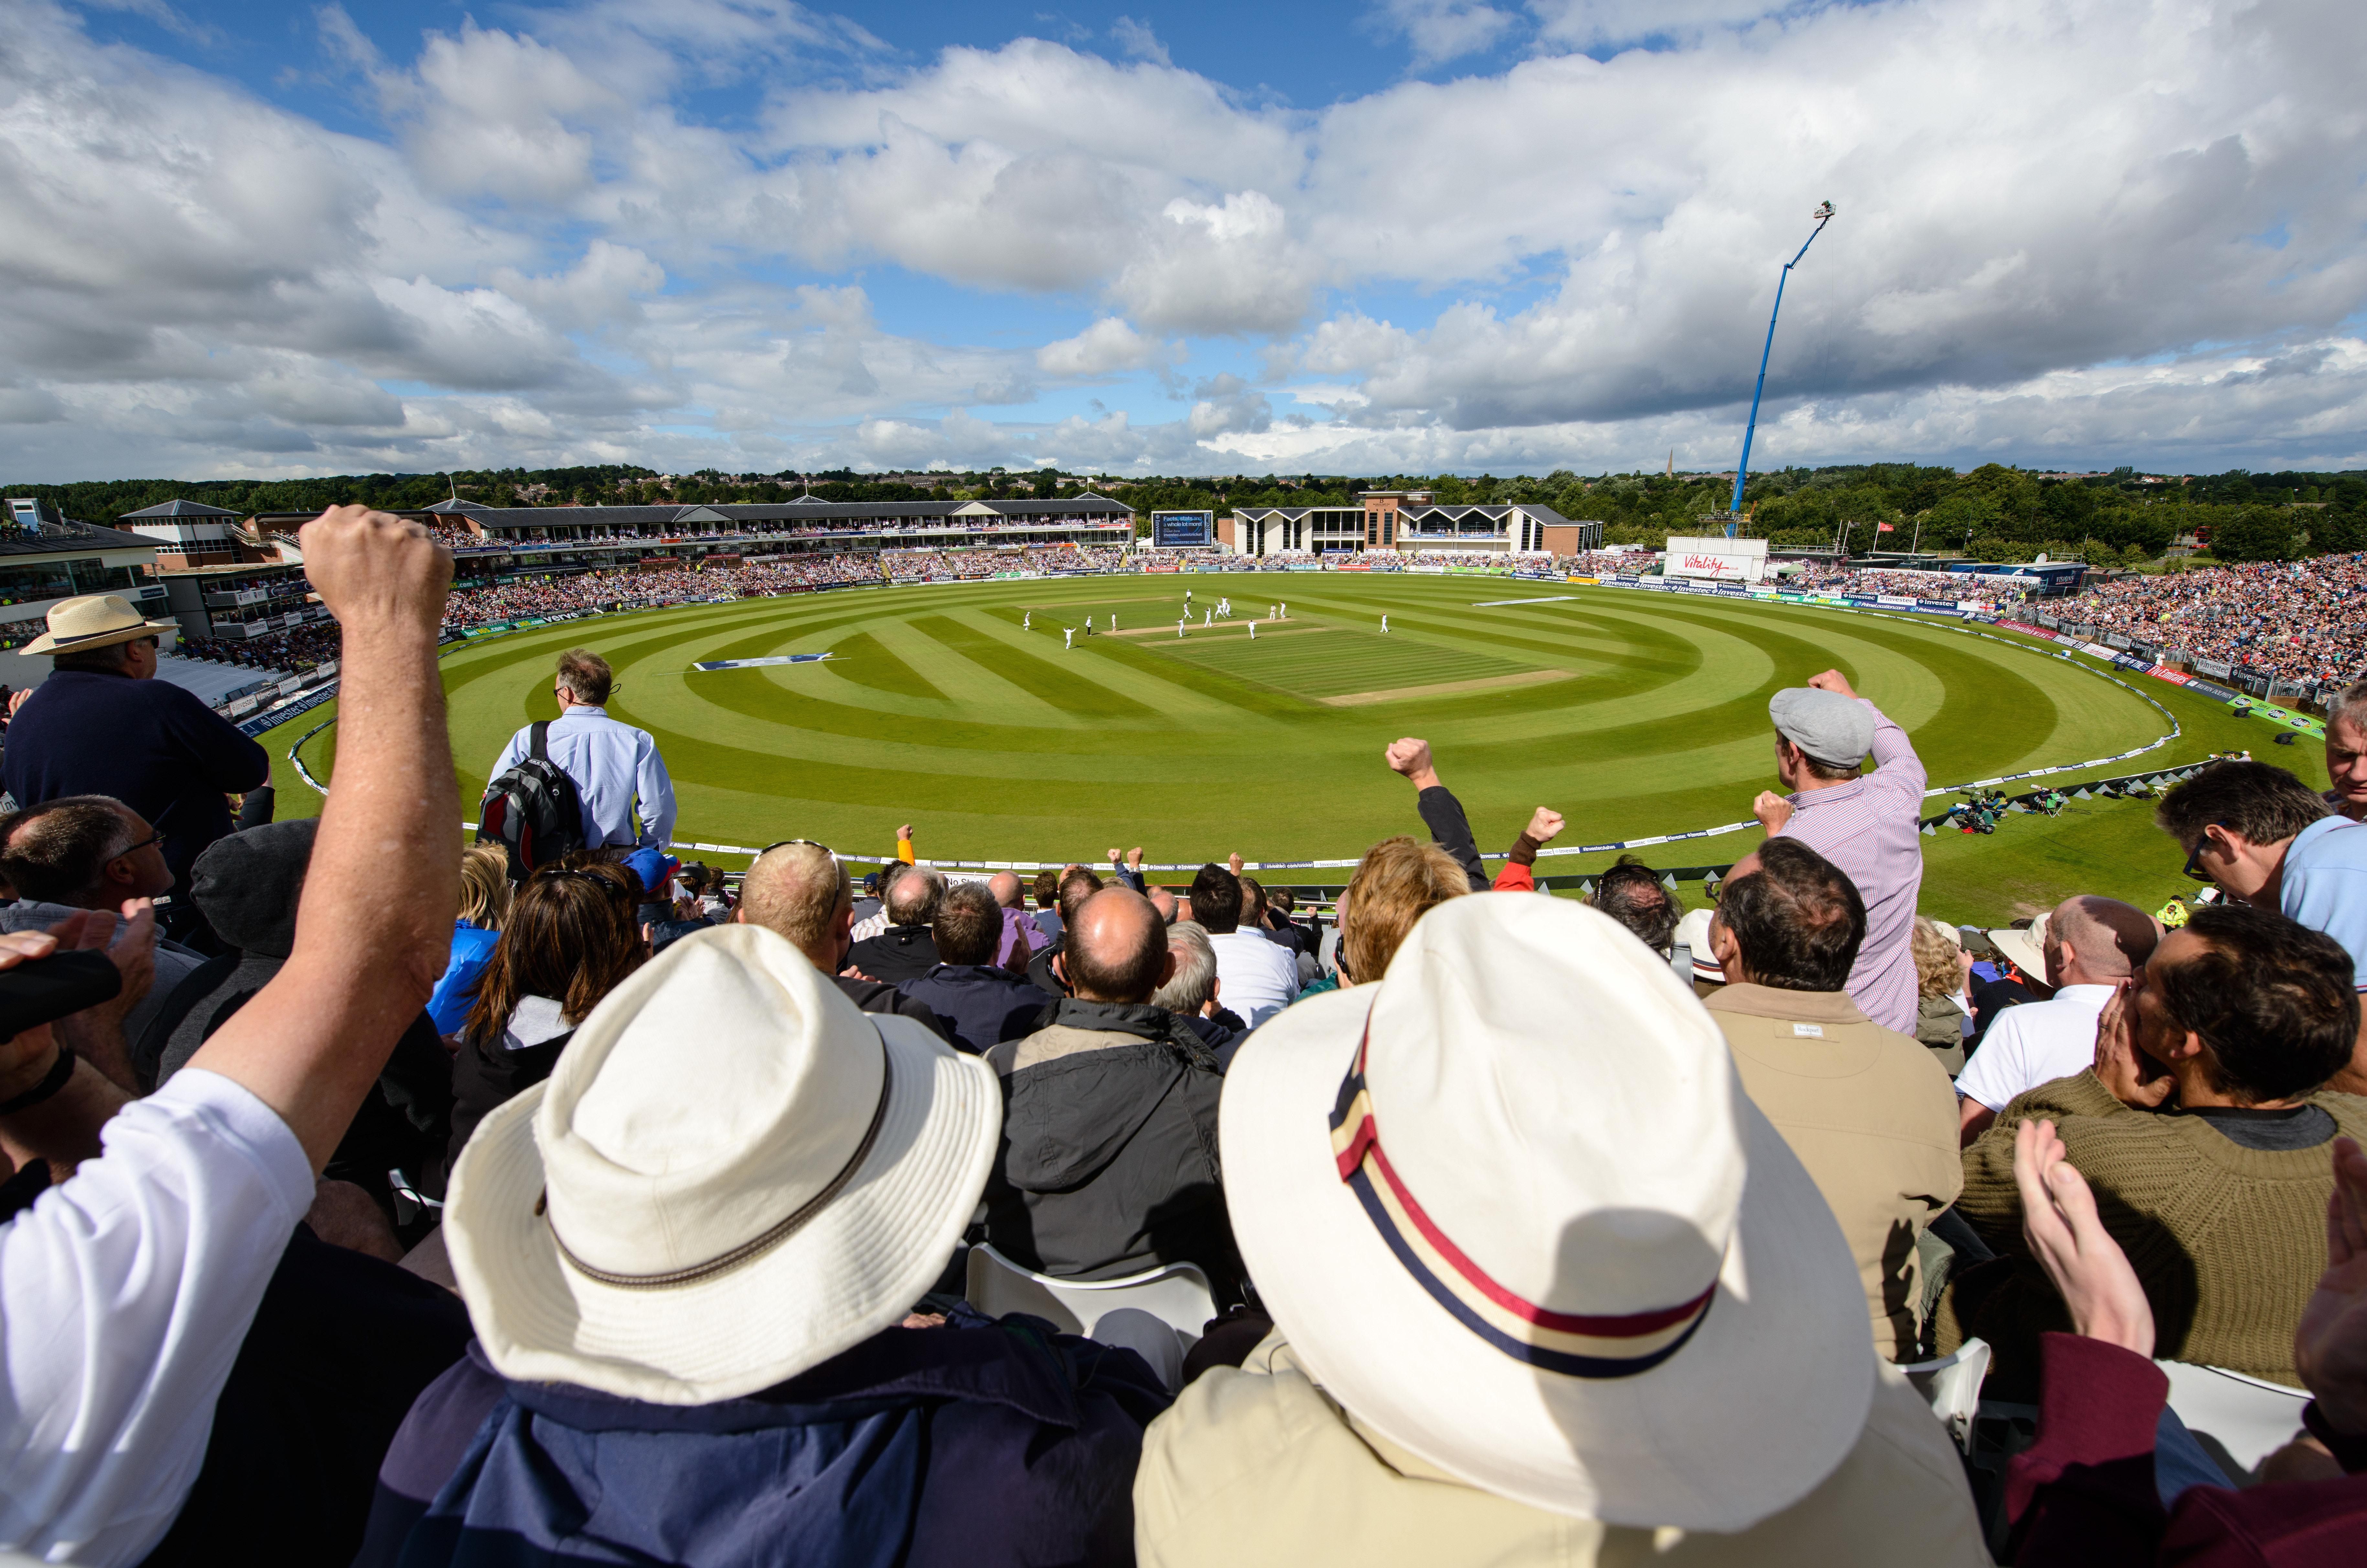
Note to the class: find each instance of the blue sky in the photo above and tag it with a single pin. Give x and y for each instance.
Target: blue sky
(1419, 235)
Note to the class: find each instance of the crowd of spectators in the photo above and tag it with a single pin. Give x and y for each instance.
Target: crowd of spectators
(1956, 588)
(296, 650)
(402, 1203)
(2299, 621)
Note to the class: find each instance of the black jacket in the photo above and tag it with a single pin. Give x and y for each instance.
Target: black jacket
(896, 954)
(986, 1006)
(877, 996)
(1108, 1162)
(1040, 967)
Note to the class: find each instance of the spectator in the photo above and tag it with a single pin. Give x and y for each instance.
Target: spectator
(1869, 827)
(126, 1291)
(905, 949)
(1192, 993)
(984, 1003)
(2346, 752)
(1630, 893)
(569, 941)
(1048, 905)
(800, 891)
(1451, 830)
(102, 725)
(1077, 885)
(1396, 883)
(692, 1257)
(652, 872)
(1865, 1108)
(620, 781)
(869, 904)
(1019, 938)
(2268, 838)
(486, 895)
(2089, 946)
(2087, 1493)
(1261, 977)
(1108, 1160)
(89, 852)
(1473, 1384)
(1943, 970)
(871, 922)
(2203, 1126)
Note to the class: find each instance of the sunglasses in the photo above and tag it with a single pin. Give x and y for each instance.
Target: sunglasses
(155, 837)
(608, 885)
(2195, 862)
(784, 843)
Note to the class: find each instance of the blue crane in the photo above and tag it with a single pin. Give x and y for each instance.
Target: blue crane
(1823, 215)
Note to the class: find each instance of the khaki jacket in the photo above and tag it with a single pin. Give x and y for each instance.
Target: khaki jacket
(1259, 1466)
(1872, 1117)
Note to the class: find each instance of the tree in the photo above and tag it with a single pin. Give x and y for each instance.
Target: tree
(2256, 533)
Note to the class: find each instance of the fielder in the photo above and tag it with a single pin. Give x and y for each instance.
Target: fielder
(1069, 635)
(1028, 621)
(1385, 625)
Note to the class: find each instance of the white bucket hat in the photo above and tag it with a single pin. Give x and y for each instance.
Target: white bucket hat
(94, 620)
(1511, 1208)
(732, 1176)
(1693, 932)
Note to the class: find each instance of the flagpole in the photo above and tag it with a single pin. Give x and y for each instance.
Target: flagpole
(1823, 215)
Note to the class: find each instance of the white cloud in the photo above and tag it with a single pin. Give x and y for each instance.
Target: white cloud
(2068, 229)
(1443, 29)
(1108, 345)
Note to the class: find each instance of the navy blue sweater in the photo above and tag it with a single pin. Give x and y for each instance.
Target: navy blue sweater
(150, 744)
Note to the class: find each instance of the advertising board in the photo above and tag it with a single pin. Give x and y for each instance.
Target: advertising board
(1731, 561)
(1182, 530)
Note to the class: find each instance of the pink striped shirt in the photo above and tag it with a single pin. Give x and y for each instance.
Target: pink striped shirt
(1869, 828)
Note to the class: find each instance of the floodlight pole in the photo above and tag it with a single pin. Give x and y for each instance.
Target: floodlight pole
(1823, 215)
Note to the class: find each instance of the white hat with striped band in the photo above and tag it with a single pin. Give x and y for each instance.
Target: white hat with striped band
(1512, 1208)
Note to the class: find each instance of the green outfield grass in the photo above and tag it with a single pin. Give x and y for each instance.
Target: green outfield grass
(1632, 714)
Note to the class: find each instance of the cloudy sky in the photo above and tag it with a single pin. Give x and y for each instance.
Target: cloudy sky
(250, 237)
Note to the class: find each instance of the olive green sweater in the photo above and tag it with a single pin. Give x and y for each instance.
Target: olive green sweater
(2228, 1241)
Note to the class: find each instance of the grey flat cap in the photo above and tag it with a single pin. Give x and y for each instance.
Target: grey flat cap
(1831, 728)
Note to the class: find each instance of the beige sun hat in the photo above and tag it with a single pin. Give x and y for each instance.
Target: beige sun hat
(1511, 1208)
(2026, 950)
(94, 620)
(732, 1176)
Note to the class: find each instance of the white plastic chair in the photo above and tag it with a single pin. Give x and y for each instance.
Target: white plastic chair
(1952, 1386)
(2235, 1418)
(1177, 1295)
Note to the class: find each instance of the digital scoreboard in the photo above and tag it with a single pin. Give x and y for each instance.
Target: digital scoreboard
(1182, 530)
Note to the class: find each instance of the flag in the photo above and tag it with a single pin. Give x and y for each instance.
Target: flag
(1882, 528)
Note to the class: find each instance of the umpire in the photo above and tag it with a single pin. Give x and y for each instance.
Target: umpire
(102, 725)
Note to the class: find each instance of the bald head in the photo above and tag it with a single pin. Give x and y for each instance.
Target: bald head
(1163, 900)
(801, 891)
(1116, 949)
(1008, 890)
(2097, 942)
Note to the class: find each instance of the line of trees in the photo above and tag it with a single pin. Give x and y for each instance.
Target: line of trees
(1994, 513)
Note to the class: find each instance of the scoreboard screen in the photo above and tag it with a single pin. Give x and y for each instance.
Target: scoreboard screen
(1182, 530)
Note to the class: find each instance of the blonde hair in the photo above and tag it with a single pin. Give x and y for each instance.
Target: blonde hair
(486, 891)
(1939, 963)
(795, 891)
(1396, 883)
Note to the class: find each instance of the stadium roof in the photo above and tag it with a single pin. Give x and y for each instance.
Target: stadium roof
(802, 510)
(177, 507)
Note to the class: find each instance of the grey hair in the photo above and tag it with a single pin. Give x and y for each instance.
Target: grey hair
(1195, 970)
(912, 898)
(2352, 705)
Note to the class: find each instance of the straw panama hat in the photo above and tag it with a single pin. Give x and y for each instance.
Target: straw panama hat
(94, 620)
(2026, 949)
(1544, 1240)
(732, 1176)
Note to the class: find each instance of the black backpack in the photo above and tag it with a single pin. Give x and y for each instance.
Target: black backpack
(532, 810)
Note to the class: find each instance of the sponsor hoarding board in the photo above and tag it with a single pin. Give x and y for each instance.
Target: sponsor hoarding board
(1731, 561)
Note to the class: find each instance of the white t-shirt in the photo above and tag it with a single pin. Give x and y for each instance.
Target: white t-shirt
(2034, 1043)
(125, 1294)
(1259, 976)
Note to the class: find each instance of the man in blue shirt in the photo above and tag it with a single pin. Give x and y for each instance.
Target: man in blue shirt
(2271, 842)
(618, 775)
(102, 725)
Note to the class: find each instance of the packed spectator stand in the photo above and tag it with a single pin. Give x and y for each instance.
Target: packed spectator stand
(2298, 621)
(554, 1201)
